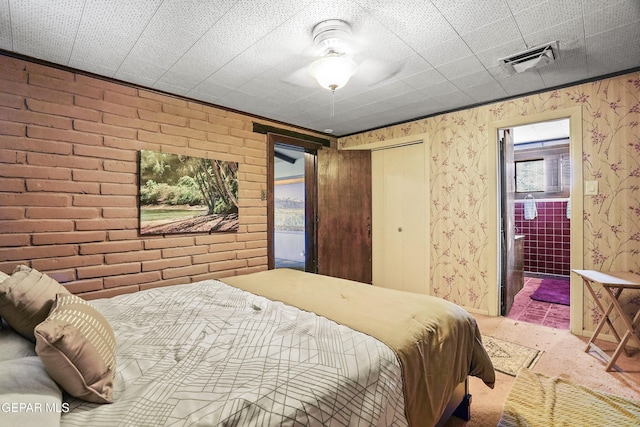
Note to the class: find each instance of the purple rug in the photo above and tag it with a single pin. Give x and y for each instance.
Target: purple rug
(552, 290)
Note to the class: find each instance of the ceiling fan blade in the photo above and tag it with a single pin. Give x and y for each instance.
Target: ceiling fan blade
(373, 71)
(300, 77)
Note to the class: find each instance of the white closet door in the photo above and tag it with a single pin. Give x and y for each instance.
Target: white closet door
(399, 218)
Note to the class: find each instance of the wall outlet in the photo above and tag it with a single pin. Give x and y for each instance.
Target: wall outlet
(590, 188)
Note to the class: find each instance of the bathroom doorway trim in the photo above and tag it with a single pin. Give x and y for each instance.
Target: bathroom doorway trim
(574, 114)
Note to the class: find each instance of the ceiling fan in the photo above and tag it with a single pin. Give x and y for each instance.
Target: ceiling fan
(335, 66)
(337, 54)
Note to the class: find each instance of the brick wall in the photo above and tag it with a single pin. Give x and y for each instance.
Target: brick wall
(69, 148)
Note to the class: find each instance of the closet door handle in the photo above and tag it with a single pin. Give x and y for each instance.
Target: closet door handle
(400, 229)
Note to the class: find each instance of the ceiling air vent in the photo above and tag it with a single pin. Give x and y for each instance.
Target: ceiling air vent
(532, 58)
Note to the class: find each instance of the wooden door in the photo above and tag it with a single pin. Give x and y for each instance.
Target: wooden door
(509, 283)
(344, 214)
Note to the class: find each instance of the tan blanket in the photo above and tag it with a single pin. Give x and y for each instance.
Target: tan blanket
(438, 343)
(536, 400)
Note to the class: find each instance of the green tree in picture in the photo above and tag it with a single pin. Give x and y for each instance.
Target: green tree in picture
(183, 194)
(172, 179)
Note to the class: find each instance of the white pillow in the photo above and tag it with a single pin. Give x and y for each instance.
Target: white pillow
(3, 276)
(28, 395)
(14, 345)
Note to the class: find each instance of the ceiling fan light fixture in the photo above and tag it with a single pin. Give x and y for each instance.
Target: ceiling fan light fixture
(332, 71)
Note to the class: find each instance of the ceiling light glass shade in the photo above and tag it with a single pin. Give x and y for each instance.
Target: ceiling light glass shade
(332, 71)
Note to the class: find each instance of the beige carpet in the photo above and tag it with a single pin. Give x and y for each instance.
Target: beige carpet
(537, 400)
(562, 355)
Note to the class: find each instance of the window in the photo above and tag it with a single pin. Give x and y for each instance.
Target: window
(529, 176)
(544, 171)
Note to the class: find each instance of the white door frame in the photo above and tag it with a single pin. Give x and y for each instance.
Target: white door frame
(574, 114)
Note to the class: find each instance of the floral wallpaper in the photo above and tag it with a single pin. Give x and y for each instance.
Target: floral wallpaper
(463, 261)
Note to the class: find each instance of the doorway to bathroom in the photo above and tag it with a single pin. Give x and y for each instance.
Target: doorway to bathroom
(535, 176)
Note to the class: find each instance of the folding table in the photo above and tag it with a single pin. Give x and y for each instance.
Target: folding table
(613, 283)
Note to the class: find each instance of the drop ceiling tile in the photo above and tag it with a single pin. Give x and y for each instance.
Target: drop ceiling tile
(410, 65)
(471, 15)
(45, 30)
(418, 23)
(424, 79)
(267, 88)
(224, 42)
(446, 52)
(366, 98)
(461, 67)
(473, 79)
(211, 90)
(559, 77)
(602, 20)
(377, 41)
(222, 77)
(243, 102)
(567, 33)
(6, 39)
(614, 41)
(366, 111)
(547, 14)
(423, 109)
(608, 60)
(256, 87)
(391, 89)
(173, 29)
(453, 100)
(439, 89)
(393, 116)
(142, 74)
(169, 88)
(113, 26)
(197, 64)
(244, 67)
(590, 6)
(343, 104)
(494, 34)
(519, 5)
(485, 92)
(521, 83)
(410, 98)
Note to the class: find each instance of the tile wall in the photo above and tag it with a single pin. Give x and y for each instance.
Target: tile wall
(547, 237)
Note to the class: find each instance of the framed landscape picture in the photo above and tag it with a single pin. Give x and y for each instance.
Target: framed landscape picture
(183, 194)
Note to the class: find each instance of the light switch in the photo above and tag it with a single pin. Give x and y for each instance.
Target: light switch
(591, 188)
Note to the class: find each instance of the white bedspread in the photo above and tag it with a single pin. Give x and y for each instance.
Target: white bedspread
(210, 354)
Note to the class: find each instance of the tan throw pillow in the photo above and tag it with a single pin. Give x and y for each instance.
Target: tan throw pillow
(77, 347)
(26, 298)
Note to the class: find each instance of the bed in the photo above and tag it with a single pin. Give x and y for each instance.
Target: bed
(278, 347)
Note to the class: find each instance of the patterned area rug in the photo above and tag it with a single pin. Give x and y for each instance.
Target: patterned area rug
(552, 290)
(509, 358)
(536, 400)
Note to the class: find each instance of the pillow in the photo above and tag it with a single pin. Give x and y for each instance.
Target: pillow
(77, 347)
(26, 298)
(28, 395)
(3, 276)
(13, 345)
